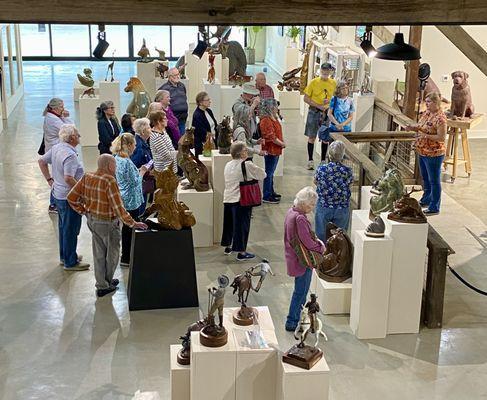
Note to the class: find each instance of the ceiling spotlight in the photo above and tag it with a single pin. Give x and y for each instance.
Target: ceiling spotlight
(398, 50)
(102, 45)
(366, 43)
(200, 48)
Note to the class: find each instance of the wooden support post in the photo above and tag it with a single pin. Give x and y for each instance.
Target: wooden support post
(412, 68)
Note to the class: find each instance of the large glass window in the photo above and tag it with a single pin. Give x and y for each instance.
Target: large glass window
(155, 36)
(70, 40)
(6, 66)
(35, 40)
(116, 36)
(182, 37)
(13, 44)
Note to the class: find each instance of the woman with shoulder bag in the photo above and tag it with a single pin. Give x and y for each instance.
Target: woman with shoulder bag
(297, 229)
(236, 212)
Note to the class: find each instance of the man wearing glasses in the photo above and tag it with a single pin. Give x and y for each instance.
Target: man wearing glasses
(179, 99)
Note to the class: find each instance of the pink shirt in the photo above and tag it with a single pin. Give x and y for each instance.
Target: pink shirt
(172, 127)
(297, 222)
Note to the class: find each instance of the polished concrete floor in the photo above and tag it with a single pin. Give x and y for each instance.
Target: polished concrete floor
(57, 341)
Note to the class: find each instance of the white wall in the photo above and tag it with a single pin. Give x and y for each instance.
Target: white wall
(275, 55)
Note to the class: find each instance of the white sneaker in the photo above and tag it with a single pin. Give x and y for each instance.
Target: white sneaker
(311, 165)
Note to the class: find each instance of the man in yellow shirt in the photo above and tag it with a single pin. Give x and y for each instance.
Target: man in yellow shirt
(318, 94)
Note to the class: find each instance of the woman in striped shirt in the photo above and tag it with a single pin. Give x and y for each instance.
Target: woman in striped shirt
(163, 152)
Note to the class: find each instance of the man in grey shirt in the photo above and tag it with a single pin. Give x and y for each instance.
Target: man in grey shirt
(179, 99)
(66, 171)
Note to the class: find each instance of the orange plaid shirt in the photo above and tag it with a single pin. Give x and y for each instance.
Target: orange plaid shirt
(429, 124)
(99, 195)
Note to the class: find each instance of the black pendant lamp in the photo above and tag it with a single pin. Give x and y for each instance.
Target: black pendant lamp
(200, 48)
(398, 50)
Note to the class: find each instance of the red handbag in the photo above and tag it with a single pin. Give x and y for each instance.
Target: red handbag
(250, 194)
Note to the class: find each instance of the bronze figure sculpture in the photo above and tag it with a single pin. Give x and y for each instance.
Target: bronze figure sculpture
(224, 135)
(213, 335)
(110, 70)
(171, 214)
(302, 355)
(162, 54)
(211, 70)
(87, 78)
(387, 190)
(290, 81)
(209, 145)
(194, 170)
(303, 76)
(143, 53)
(162, 69)
(408, 210)
(338, 256)
(139, 105)
(183, 356)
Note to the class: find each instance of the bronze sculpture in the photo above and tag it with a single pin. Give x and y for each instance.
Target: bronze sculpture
(87, 78)
(211, 70)
(209, 145)
(90, 92)
(238, 80)
(408, 210)
(162, 69)
(110, 70)
(139, 105)
(338, 256)
(162, 54)
(461, 96)
(171, 214)
(302, 355)
(183, 356)
(194, 170)
(213, 335)
(303, 76)
(143, 53)
(224, 135)
(387, 190)
(290, 81)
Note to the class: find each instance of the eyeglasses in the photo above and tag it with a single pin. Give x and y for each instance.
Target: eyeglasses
(207, 99)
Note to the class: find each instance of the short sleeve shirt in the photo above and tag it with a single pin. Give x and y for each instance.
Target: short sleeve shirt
(342, 109)
(64, 160)
(429, 124)
(333, 182)
(318, 90)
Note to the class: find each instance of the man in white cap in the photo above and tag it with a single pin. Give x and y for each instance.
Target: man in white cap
(247, 104)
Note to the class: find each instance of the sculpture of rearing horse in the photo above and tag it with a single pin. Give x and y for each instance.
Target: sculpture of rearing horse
(242, 283)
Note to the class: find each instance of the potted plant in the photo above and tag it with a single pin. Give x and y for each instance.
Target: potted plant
(252, 32)
(293, 32)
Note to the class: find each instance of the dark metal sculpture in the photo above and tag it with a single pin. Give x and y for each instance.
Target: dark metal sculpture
(211, 70)
(224, 135)
(213, 335)
(194, 170)
(408, 210)
(338, 257)
(143, 53)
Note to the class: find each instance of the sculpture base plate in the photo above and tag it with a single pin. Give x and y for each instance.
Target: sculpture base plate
(374, 235)
(407, 220)
(332, 279)
(303, 357)
(245, 316)
(183, 357)
(213, 336)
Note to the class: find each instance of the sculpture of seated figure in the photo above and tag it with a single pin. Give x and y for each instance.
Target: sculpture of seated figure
(194, 170)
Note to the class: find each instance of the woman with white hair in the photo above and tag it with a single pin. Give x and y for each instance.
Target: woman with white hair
(242, 131)
(142, 154)
(236, 218)
(164, 98)
(297, 226)
(108, 127)
(333, 182)
(66, 171)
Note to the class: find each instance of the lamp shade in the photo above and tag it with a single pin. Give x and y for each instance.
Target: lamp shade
(398, 50)
(200, 49)
(101, 47)
(368, 48)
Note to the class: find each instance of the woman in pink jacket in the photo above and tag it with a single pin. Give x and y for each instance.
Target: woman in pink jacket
(297, 223)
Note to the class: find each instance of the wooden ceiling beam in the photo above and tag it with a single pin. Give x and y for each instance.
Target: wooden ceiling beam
(252, 12)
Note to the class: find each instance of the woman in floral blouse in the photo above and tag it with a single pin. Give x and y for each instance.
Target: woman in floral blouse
(333, 182)
(430, 145)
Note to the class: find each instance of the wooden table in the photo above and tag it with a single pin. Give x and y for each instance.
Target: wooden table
(458, 128)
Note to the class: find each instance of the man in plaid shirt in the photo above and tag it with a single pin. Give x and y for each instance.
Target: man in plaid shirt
(97, 195)
(265, 90)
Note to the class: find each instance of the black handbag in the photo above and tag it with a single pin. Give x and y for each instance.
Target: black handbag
(42, 148)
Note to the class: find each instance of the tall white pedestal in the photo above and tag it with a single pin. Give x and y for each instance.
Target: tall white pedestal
(78, 90)
(111, 91)
(225, 71)
(293, 56)
(88, 124)
(364, 111)
(407, 274)
(218, 165)
(360, 221)
(365, 197)
(208, 164)
(289, 102)
(264, 321)
(229, 96)
(201, 203)
(296, 383)
(213, 370)
(370, 285)
(146, 73)
(179, 377)
(303, 108)
(215, 94)
(196, 70)
(335, 297)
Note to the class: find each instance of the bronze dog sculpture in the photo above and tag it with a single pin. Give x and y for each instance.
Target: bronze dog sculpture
(139, 106)
(338, 257)
(194, 170)
(224, 135)
(461, 97)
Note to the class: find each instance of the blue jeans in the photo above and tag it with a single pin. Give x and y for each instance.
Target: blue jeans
(430, 168)
(270, 168)
(182, 127)
(69, 224)
(298, 299)
(339, 216)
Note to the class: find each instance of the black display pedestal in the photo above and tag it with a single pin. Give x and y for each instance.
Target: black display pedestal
(162, 270)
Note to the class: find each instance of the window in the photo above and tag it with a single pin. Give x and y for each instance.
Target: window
(155, 36)
(116, 36)
(6, 66)
(35, 40)
(70, 40)
(15, 66)
(182, 37)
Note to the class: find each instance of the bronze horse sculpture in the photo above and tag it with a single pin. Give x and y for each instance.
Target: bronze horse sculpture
(242, 283)
(338, 257)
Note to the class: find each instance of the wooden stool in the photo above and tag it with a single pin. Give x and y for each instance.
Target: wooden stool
(458, 128)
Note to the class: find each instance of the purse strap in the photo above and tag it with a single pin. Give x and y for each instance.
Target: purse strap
(244, 170)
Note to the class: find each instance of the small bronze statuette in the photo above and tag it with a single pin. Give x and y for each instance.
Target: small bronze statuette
(387, 190)
(144, 53)
(238, 80)
(376, 228)
(194, 170)
(338, 256)
(139, 106)
(183, 356)
(87, 78)
(408, 210)
(162, 54)
(209, 145)
(90, 92)
(211, 70)
(224, 135)
(110, 69)
(290, 81)
(302, 355)
(213, 335)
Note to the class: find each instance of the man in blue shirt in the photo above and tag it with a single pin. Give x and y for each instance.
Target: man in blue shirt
(66, 171)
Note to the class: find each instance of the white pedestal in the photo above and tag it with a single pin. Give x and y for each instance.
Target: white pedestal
(179, 377)
(360, 221)
(225, 71)
(264, 321)
(364, 111)
(229, 96)
(201, 203)
(289, 102)
(146, 73)
(370, 285)
(256, 369)
(196, 70)
(213, 370)
(293, 56)
(208, 164)
(296, 383)
(218, 165)
(365, 197)
(335, 297)
(215, 94)
(88, 124)
(78, 89)
(407, 275)
(303, 108)
(111, 91)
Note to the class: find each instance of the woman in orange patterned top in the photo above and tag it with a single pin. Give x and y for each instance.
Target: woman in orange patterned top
(430, 145)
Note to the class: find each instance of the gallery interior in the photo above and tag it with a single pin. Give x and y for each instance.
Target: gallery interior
(212, 296)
